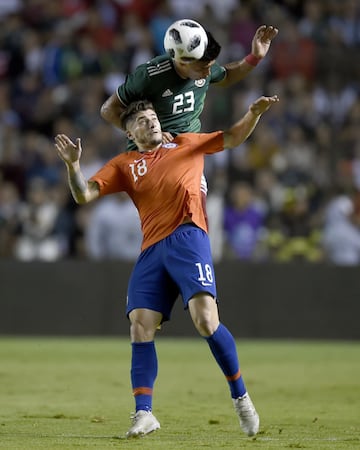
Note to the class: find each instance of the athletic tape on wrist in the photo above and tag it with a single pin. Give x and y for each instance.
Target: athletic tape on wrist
(252, 59)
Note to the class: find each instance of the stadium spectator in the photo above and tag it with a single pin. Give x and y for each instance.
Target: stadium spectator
(313, 23)
(37, 238)
(291, 43)
(113, 230)
(244, 220)
(10, 206)
(159, 22)
(242, 29)
(341, 237)
(346, 24)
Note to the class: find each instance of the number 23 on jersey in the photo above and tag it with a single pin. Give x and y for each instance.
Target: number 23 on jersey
(184, 103)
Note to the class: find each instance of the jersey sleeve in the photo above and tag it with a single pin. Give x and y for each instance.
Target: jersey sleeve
(135, 86)
(110, 178)
(218, 73)
(207, 143)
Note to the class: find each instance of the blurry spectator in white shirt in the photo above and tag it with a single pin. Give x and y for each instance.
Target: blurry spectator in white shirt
(113, 230)
(341, 237)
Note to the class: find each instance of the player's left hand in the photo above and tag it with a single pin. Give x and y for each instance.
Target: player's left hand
(167, 137)
(262, 40)
(262, 104)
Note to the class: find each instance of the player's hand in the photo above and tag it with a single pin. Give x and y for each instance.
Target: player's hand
(262, 40)
(262, 104)
(167, 137)
(67, 150)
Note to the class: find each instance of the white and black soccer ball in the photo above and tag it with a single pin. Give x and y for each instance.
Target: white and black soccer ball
(185, 40)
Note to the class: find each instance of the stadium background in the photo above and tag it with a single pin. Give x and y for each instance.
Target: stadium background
(299, 173)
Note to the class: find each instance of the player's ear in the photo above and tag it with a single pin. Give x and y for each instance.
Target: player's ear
(129, 135)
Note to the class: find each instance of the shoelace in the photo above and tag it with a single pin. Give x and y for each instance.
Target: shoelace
(134, 417)
(245, 409)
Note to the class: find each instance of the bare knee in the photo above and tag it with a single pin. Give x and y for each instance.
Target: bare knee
(140, 333)
(143, 324)
(205, 325)
(204, 313)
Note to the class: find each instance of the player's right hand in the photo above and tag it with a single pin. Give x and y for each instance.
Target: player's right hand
(167, 137)
(67, 150)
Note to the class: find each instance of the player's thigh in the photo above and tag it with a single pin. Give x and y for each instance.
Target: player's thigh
(189, 262)
(150, 286)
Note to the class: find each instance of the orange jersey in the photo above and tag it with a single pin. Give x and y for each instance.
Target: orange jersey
(164, 184)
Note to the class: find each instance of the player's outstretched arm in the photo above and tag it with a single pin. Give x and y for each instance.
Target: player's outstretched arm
(242, 129)
(236, 71)
(83, 191)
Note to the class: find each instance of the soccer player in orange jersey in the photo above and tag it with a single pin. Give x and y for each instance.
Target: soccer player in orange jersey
(163, 180)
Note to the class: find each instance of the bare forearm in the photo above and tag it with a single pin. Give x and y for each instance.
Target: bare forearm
(235, 72)
(81, 190)
(111, 116)
(111, 110)
(241, 130)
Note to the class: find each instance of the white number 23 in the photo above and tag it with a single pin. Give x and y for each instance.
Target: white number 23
(184, 102)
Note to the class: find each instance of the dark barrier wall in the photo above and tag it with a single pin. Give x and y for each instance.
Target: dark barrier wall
(261, 301)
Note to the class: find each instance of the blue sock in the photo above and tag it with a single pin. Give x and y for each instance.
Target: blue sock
(222, 345)
(144, 367)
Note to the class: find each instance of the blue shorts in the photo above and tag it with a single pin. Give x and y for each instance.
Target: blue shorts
(179, 264)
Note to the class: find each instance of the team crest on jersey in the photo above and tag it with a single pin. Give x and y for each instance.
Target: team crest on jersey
(200, 83)
(170, 145)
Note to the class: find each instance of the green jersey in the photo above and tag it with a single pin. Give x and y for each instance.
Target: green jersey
(177, 102)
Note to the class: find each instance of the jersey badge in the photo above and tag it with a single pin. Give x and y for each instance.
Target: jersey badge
(200, 83)
(170, 145)
(166, 93)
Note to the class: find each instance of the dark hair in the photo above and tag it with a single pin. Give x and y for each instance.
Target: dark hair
(133, 109)
(212, 49)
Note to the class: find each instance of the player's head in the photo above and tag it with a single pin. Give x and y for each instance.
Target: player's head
(201, 68)
(212, 50)
(192, 48)
(142, 124)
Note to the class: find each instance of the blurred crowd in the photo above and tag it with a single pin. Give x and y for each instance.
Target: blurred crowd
(290, 193)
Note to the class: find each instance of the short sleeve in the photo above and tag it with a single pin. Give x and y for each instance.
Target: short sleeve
(110, 178)
(135, 86)
(218, 73)
(206, 143)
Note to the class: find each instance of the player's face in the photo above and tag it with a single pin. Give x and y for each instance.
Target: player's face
(145, 129)
(197, 69)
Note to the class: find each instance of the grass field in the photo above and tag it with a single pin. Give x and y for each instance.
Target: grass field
(65, 393)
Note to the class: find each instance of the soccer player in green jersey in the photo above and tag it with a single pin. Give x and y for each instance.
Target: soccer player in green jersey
(177, 82)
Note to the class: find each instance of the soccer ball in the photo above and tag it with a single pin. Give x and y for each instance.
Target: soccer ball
(185, 40)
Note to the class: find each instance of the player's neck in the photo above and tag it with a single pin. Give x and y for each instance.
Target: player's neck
(148, 149)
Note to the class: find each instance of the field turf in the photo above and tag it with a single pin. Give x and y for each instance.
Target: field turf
(74, 393)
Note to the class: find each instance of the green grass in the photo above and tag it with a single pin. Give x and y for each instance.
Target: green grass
(75, 394)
